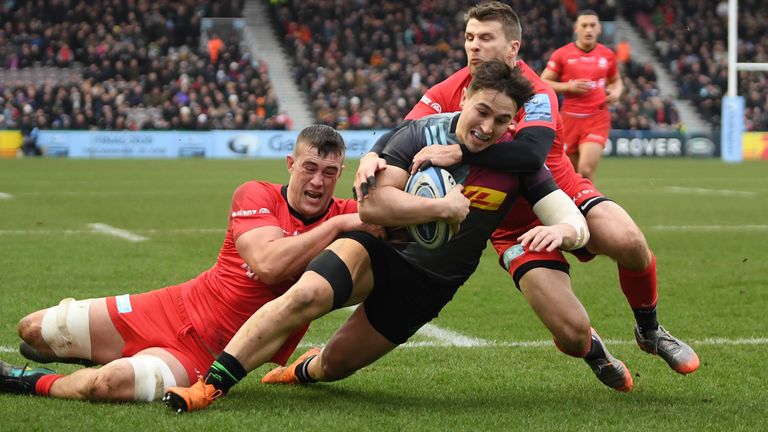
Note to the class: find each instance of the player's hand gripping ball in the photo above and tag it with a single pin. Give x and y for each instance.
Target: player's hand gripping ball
(432, 182)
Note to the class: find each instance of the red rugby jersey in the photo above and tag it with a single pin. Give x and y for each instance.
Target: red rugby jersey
(570, 62)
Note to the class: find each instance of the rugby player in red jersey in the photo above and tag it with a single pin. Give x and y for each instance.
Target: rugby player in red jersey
(585, 73)
(151, 341)
(493, 32)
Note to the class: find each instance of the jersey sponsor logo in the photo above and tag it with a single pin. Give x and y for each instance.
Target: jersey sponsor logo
(484, 198)
(538, 108)
(572, 60)
(510, 254)
(241, 213)
(434, 105)
(581, 193)
(123, 303)
(602, 63)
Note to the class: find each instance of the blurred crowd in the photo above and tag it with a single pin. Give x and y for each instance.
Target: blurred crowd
(139, 65)
(363, 64)
(690, 37)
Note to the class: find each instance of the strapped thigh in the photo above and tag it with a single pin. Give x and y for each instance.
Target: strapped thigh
(65, 328)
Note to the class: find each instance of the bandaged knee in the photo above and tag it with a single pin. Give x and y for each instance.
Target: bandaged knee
(65, 328)
(152, 377)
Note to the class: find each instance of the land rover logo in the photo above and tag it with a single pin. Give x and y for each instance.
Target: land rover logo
(699, 146)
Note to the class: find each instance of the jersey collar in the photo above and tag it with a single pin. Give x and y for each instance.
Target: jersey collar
(305, 220)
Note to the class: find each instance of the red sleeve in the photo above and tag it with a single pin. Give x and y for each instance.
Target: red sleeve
(254, 204)
(555, 63)
(428, 104)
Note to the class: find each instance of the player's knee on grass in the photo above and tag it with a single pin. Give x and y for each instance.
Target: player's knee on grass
(30, 330)
(336, 364)
(113, 382)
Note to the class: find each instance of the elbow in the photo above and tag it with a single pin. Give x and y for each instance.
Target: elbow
(368, 214)
(270, 273)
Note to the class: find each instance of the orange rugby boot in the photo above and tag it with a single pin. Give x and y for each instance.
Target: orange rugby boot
(196, 397)
(287, 374)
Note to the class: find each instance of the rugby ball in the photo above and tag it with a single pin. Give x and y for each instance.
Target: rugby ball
(433, 182)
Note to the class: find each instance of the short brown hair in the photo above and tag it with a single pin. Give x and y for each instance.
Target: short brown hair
(499, 76)
(501, 12)
(325, 138)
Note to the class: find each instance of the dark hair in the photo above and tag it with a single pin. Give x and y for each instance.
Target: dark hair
(587, 12)
(325, 138)
(497, 75)
(501, 12)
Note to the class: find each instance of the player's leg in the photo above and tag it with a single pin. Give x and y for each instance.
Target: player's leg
(337, 277)
(591, 142)
(615, 234)
(142, 377)
(355, 344)
(543, 279)
(549, 294)
(589, 156)
(71, 331)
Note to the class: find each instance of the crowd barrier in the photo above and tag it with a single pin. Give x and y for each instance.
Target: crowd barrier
(230, 144)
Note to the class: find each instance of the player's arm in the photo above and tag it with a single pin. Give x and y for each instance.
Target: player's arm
(525, 153)
(273, 257)
(613, 88)
(575, 86)
(371, 163)
(389, 205)
(563, 224)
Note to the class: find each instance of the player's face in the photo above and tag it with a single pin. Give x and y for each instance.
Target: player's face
(587, 29)
(485, 40)
(313, 179)
(485, 116)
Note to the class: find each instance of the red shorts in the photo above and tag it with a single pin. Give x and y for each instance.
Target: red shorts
(521, 219)
(591, 128)
(158, 319)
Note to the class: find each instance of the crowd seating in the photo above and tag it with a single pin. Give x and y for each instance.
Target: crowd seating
(127, 65)
(690, 38)
(364, 64)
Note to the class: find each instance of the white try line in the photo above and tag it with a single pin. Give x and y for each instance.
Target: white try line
(523, 344)
(709, 228)
(700, 191)
(116, 232)
(4, 195)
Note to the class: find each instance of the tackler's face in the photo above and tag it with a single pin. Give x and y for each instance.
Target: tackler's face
(485, 40)
(485, 116)
(313, 180)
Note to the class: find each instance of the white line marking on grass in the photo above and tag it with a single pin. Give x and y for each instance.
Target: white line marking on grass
(700, 191)
(116, 232)
(4, 195)
(709, 228)
(548, 343)
(449, 337)
(523, 344)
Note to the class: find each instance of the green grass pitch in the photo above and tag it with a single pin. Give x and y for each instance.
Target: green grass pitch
(705, 220)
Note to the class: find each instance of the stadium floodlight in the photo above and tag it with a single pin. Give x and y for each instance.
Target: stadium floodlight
(732, 118)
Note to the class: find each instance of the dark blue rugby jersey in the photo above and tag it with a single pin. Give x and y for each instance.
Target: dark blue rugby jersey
(491, 194)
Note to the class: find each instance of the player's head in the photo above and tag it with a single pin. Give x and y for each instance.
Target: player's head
(493, 32)
(490, 103)
(587, 29)
(315, 166)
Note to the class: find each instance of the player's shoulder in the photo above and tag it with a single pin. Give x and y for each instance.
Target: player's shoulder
(253, 188)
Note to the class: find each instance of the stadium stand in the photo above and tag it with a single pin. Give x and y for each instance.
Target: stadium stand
(689, 38)
(128, 65)
(364, 64)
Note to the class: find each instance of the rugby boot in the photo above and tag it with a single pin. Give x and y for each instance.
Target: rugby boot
(31, 353)
(20, 379)
(678, 355)
(610, 370)
(287, 374)
(194, 398)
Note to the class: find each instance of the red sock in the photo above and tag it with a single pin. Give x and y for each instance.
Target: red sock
(44, 384)
(640, 287)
